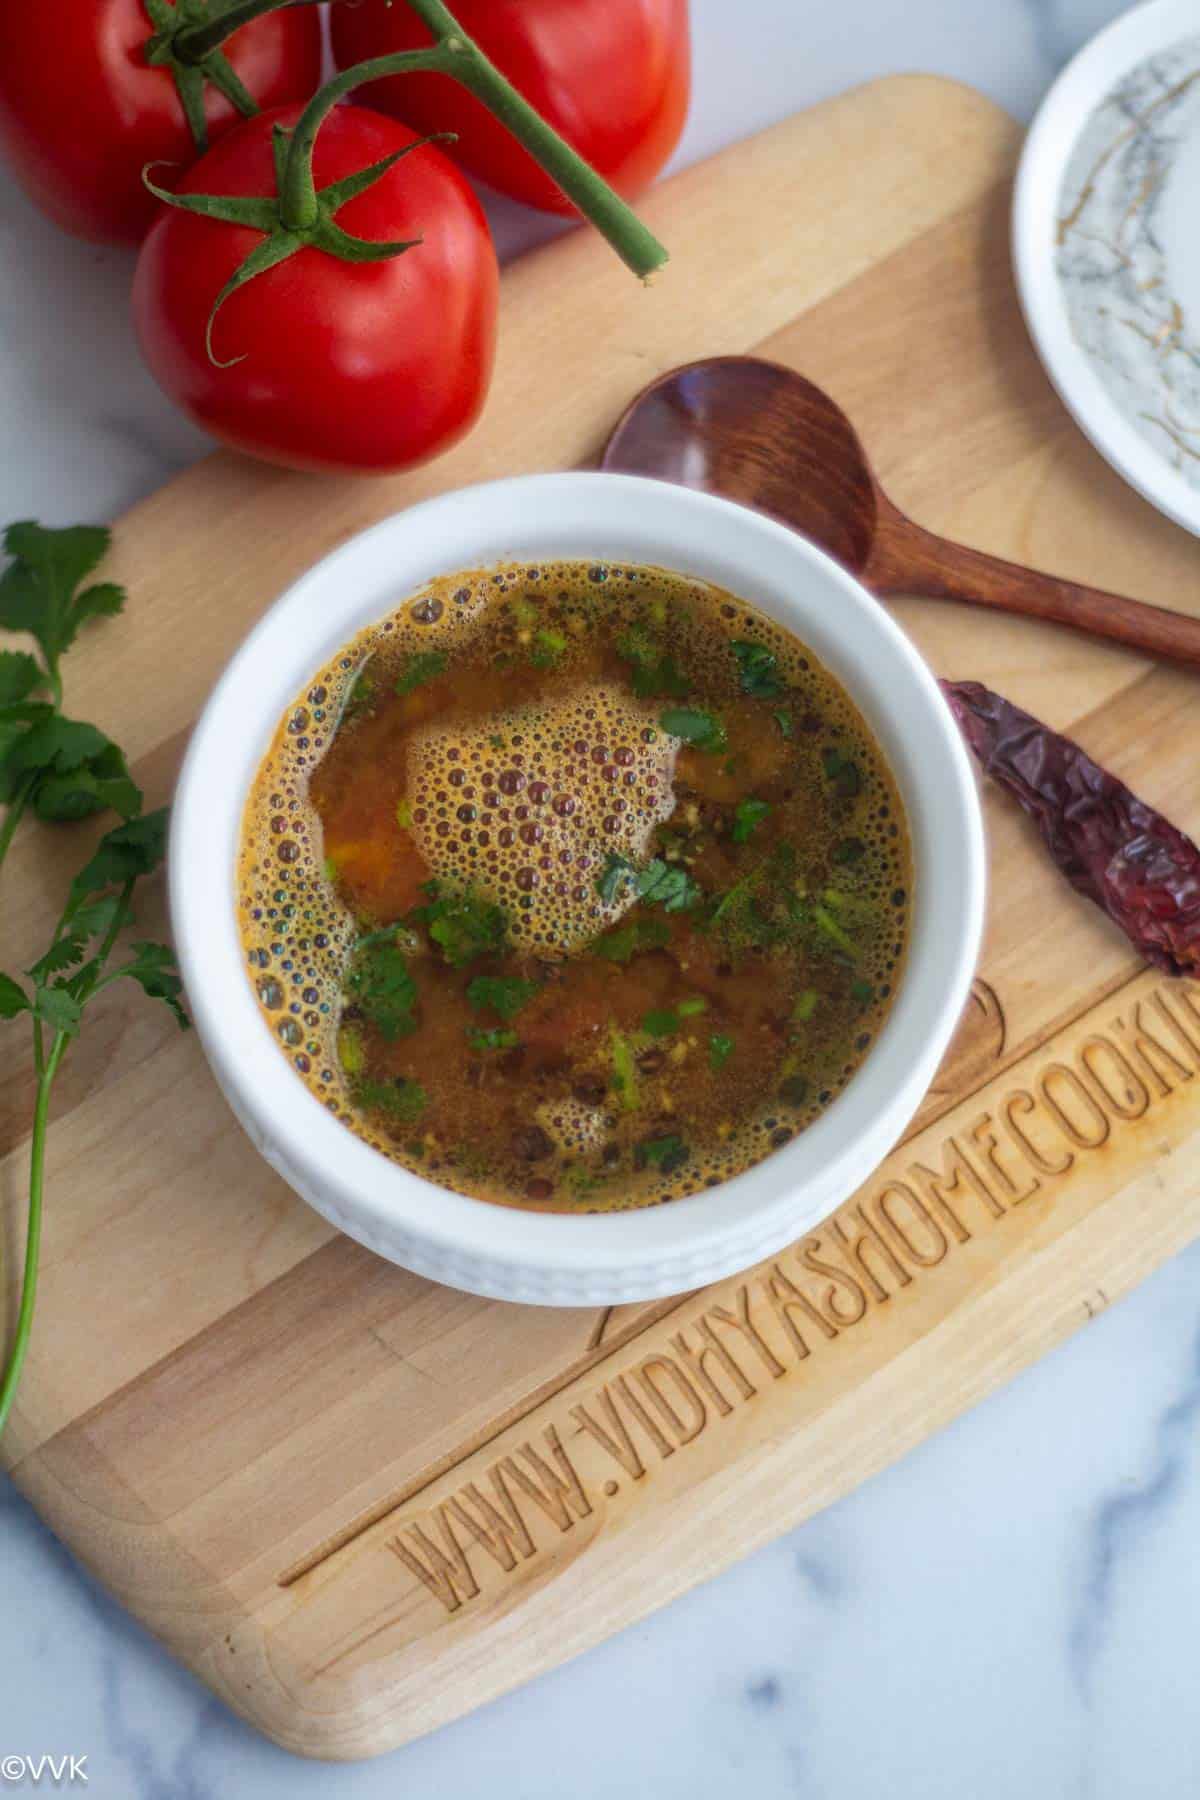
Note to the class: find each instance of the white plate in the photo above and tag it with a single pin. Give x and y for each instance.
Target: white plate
(1106, 236)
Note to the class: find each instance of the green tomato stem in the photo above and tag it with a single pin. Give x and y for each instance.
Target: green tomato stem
(33, 1239)
(298, 209)
(453, 53)
(194, 42)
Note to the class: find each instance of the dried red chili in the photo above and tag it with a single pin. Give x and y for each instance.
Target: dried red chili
(1130, 861)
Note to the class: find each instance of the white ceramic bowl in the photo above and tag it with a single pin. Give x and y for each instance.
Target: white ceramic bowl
(552, 1259)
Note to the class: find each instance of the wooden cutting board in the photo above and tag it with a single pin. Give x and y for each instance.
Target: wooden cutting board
(357, 1504)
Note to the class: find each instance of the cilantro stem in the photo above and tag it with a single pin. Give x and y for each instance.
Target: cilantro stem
(33, 1239)
(16, 809)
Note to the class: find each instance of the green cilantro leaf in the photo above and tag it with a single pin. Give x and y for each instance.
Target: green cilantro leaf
(13, 998)
(122, 856)
(660, 1023)
(747, 817)
(667, 885)
(665, 1153)
(720, 1049)
(849, 850)
(505, 994)
(758, 670)
(19, 676)
(784, 722)
(39, 590)
(616, 872)
(659, 884)
(499, 1038)
(57, 1008)
(703, 730)
(548, 649)
(156, 973)
(626, 941)
(378, 981)
(419, 667)
(463, 926)
(653, 672)
(401, 1099)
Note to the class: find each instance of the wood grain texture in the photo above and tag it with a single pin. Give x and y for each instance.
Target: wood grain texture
(762, 434)
(358, 1504)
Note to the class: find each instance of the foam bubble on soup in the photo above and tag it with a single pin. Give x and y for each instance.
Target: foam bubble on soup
(528, 804)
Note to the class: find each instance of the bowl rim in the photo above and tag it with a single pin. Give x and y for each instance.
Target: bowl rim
(554, 1257)
(1086, 82)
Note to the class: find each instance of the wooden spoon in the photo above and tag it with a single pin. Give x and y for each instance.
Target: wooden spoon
(757, 432)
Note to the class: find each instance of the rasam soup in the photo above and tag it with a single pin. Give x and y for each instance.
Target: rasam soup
(575, 887)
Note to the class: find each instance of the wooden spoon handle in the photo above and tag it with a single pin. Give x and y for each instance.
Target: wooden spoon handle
(907, 559)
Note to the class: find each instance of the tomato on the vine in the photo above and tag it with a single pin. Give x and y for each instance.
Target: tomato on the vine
(612, 76)
(82, 111)
(321, 362)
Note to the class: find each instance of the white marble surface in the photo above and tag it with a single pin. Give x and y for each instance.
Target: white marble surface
(1007, 1612)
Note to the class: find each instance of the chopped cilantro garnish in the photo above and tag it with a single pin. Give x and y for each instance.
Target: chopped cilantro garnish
(399, 1099)
(420, 666)
(379, 983)
(784, 722)
(548, 647)
(837, 935)
(748, 816)
(624, 1076)
(691, 1008)
(665, 1154)
(351, 1054)
(703, 730)
(498, 1039)
(625, 942)
(661, 1022)
(505, 994)
(862, 992)
(659, 884)
(806, 1005)
(654, 673)
(848, 850)
(720, 1049)
(758, 669)
(463, 926)
(842, 772)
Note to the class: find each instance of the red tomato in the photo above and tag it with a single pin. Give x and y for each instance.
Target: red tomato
(342, 365)
(611, 76)
(81, 112)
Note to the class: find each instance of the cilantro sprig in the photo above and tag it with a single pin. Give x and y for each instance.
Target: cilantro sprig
(55, 992)
(378, 982)
(61, 768)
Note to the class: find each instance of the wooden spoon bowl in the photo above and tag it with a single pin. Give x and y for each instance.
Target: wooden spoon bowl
(759, 433)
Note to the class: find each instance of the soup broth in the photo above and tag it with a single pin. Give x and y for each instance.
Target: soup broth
(575, 887)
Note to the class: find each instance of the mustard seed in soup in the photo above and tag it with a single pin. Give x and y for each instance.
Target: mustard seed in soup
(575, 887)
